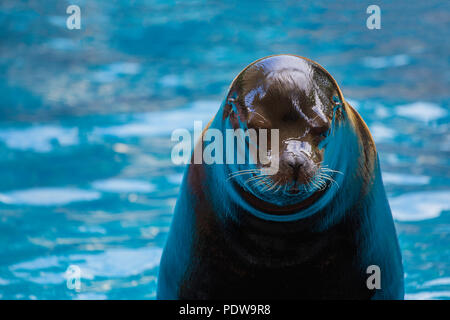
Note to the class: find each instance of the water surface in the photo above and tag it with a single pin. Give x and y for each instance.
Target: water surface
(86, 116)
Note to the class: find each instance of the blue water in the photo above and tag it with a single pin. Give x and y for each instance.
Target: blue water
(86, 116)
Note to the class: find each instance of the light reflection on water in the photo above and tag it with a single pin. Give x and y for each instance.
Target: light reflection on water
(86, 118)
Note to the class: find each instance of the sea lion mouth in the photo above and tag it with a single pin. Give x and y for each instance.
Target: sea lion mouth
(275, 209)
(294, 190)
(261, 194)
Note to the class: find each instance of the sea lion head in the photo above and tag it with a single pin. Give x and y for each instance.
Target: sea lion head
(299, 98)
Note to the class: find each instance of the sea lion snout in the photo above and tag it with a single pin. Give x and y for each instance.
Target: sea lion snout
(296, 163)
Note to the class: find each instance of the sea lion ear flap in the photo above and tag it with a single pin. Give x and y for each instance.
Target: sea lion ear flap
(230, 104)
(234, 111)
(339, 108)
(227, 109)
(338, 113)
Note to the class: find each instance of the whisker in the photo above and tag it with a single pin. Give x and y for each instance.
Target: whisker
(273, 186)
(242, 172)
(324, 175)
(327, 177)
(316, 184)
(321, 185)
(331, 170)
(266, 188)
(324, 179)
(279, 187)
(268, 183)
(257, 177)
(256, 180)
(331, 180)
(261, 181)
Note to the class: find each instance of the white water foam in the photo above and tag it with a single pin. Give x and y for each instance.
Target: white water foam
(123, 185)
(48, 196)
(418, 206)
(421, 111)
(39, 138)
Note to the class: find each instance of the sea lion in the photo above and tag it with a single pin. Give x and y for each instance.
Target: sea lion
(309, 231)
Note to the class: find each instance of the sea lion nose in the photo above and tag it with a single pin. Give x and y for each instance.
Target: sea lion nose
(296, 162)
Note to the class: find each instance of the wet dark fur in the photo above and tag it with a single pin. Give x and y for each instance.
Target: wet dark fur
(218, 250)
